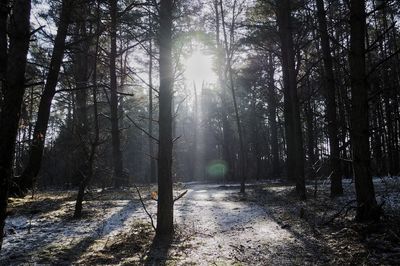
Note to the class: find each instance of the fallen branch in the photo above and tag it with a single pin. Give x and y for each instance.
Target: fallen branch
(144, 207)
(336, 215)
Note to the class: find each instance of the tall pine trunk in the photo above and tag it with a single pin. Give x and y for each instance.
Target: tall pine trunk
(330, 101)
(295, 151)
(242, 152)
(3, 45)
(95, 142)
(39, 134)
(19, 32)
(119, 178)
(367, 208)
(153, 176)
(165, 198)
(272, 114)
(227, 135)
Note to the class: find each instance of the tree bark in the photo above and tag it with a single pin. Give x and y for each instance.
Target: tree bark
(227, 135)
(367, 208)
(330, 101)
(165, 199)
(153, 177)
(119, 177)
(39, 134)
(3, 46)
(13, 96)
(95, 142)
(242, 155)
(272, 113)
(295, 151)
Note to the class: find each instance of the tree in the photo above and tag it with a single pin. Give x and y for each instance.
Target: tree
(272, 114)
(3, 45)
(165, 195)
(330, 99)
(367, 208)
(295, 152)
(228, 57)
(227, 136)
(19, 33)
(95, 142)
(119, 178)
(39, 134)
(153, 177)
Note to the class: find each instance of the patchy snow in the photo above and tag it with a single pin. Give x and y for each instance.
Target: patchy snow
(225, 227)
(33, 234)
(216, 225)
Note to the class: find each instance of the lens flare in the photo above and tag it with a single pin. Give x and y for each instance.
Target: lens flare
(217, 168)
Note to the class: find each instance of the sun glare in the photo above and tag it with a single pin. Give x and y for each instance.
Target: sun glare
(199, 68)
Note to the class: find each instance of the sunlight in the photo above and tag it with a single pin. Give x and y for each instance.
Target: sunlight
(199, 68)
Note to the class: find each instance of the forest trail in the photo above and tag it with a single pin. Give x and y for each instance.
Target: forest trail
(231, 229)
(215, 225)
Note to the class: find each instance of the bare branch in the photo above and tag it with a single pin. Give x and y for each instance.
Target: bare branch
(144, 207)
(141, 129)
(181, 195)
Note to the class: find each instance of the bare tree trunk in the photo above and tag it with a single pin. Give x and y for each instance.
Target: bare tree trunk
(242, 154)
(3, 46)
(81, 74)
(39, 134)
(367, 208)
(227, 136)
(195, 151)
(153, 177)
(309, 113)
(119, 178)
(294, 134)
(336, 176)
(13, 96)
(165, 205)
(95, 142)
(273, 125)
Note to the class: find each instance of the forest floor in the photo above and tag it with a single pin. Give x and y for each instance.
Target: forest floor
(215, 225)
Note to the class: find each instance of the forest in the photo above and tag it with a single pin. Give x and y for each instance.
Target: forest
(199, 132)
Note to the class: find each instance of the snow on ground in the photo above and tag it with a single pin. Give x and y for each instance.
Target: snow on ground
(31, 237)
(227, 226)
(215, 226)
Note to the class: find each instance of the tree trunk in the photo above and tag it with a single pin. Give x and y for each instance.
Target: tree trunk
(309, 113)
(295, 153)
(242, 155)
(165, 199)
(367, 208)
(3, 46)
(95, 142)
(227, 136)
(153, 176)
(330, 101)
(39, 134)
(272, 113)
(13, 96)
(119, 178)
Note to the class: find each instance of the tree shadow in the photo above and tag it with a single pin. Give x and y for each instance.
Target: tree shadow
(304, 229)
(50, 250)
(158, 251)
(38, 206)
(114, 222)
(231, 211)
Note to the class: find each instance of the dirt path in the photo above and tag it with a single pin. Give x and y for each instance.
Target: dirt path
(215, 226)
(229, 229)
